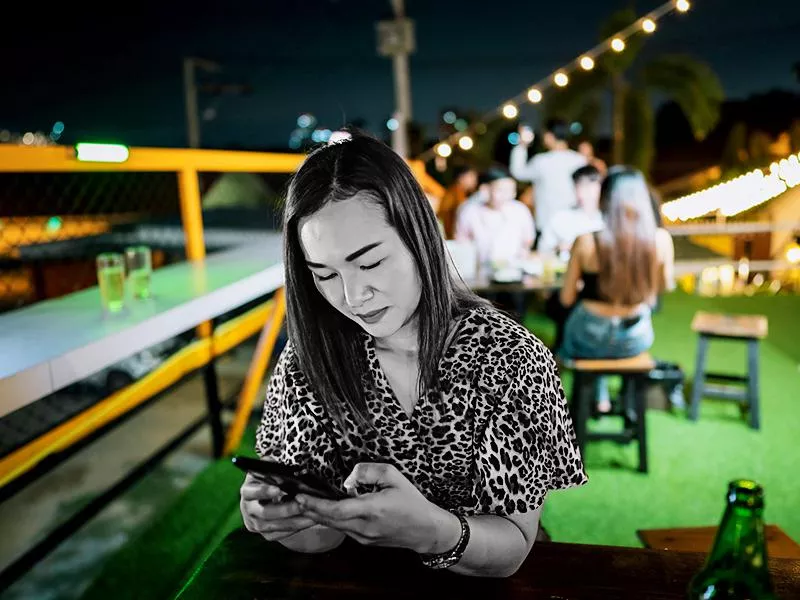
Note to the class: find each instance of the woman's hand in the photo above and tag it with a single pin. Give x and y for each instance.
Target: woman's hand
(264, 513)
(396, 514)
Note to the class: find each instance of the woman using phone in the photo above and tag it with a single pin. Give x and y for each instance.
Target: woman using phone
(443, 418)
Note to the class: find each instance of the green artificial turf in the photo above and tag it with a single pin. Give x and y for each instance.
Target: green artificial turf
(690, 463)
(154, 564)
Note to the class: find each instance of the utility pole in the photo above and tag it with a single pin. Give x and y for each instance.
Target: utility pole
(190, 96)
(396, 39)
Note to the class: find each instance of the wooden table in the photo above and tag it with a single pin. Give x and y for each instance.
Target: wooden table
(700, 539)
(245, 566)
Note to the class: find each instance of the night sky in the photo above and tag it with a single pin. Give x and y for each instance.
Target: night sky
(119, 77)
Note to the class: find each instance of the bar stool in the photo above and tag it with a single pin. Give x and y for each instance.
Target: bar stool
(634, 373)
(746, 328)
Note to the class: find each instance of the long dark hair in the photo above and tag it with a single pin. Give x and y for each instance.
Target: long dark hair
(626, 252)
(329, 346)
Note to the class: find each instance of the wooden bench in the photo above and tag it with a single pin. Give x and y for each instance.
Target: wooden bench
(714, 326)
(634, 372)
(701, 539)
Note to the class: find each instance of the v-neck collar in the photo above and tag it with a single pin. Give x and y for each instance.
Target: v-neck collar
(382, 382)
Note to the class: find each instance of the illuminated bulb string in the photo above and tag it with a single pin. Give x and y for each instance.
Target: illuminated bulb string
(738, 195)
(534, 93)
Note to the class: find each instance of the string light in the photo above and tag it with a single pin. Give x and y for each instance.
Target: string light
(444, 150)
(739, 194)
(510, 110)
(466, 143)
(586, 60)
(534, 95)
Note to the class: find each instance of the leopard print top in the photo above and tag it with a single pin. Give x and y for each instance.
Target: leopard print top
(493, 439)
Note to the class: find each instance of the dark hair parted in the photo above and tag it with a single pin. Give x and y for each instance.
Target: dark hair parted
(329, 346)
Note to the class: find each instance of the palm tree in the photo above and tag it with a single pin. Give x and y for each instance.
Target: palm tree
(691, 84)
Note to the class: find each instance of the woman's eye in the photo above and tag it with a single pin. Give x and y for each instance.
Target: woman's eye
(368, 267)
(325, 278)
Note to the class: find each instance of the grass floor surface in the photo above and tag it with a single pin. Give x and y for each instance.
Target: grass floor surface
(690, 463)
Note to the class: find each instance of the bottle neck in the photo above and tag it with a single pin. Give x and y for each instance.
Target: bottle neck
(740, 538)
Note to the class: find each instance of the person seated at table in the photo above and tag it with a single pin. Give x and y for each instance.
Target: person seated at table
(615, 275)
(443, 419)
(501, 228)
(564, 228)
(568, 224)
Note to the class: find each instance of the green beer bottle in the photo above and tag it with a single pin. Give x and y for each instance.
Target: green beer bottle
(736, 568)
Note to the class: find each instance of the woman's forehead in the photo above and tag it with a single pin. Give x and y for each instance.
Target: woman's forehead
(342, 227)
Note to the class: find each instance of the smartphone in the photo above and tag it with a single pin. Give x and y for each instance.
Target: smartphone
(290, 480)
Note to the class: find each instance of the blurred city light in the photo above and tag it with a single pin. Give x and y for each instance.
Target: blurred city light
(682, 5)
(513, 138)
(449, 117)
(466, 143)
(617, 44)
(460, 124)
(5, 135)
(112, 153)
(444, 150)
(587, 63)
(510, 111)
(58, 128)
(561, 79)
(28, 138)
(648, 26)
(305, 120)
(534, 95)
(53, 224)
(392, 124)
(576, 128)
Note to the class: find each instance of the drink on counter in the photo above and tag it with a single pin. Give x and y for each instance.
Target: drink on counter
(111, 280)
(140, 267)
(737, 565)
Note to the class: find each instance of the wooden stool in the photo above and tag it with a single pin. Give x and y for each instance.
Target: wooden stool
(747, 328)
(634, 372)
(700, 539)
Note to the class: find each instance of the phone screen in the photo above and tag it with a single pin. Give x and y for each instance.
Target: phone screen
(291, 480)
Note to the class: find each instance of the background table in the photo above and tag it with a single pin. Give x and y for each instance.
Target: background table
(51, 344)
(245, 566)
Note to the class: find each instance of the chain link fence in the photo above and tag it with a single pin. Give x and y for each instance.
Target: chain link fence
(53, 225)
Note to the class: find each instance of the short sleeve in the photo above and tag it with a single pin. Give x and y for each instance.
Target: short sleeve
(529, 446)
(289, 433)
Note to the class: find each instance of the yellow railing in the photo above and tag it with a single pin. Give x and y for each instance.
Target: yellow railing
(267, 318)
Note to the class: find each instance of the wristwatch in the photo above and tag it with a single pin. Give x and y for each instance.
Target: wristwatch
(445, 560)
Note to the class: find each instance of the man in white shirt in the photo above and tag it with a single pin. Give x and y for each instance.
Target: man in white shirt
(550, 172)
(501, 228)
(568, 224)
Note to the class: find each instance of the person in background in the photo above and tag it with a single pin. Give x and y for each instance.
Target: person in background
(501, 228)
(615, 275)
(550, 172)
(586, 148)
(386, 351)
(565, 227)
(465, 182)
(567, 224)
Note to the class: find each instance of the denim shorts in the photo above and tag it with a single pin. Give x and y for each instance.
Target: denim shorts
(587, 335)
